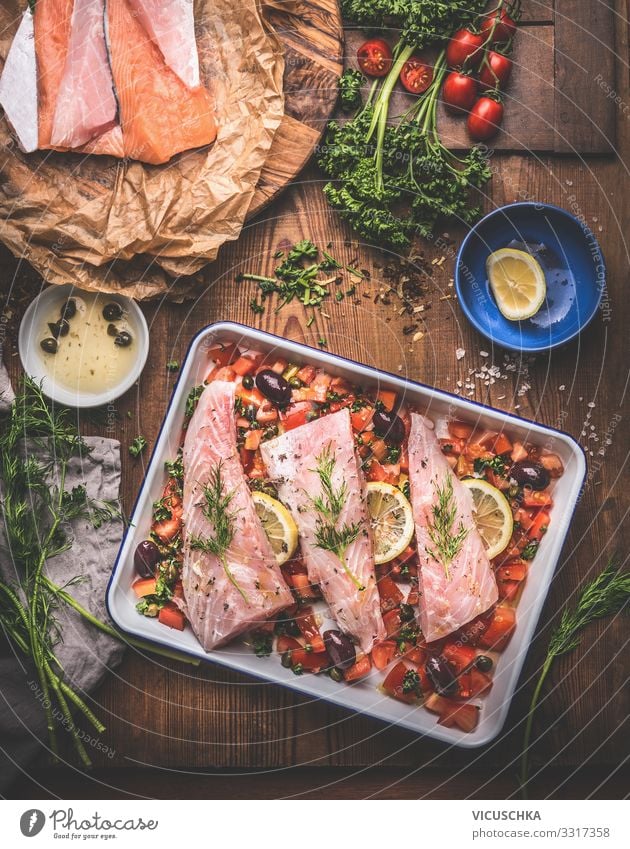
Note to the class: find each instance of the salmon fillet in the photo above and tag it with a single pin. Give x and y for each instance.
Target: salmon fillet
(86, 106)
(300, 462)
(52, 20)
(230, 577)
(456, 579)
(160, 116)
(171, 25)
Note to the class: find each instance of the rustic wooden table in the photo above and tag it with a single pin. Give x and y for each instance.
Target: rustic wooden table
(177, 731)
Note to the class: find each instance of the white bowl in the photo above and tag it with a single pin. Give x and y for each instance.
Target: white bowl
(49, 303)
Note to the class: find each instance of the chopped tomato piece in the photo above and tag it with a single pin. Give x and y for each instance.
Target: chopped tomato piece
(392, 622)
(267, 413)
(508, 590)
(389, 593)
(145, 586)
(257, 467)
(171, 616)
(296, 415)
(377, 472)
(403, 684)
(223, 355)
(416, 655)
(359, 669)
(513, 570)
(168, 529)
(474, 451)
(471, 633)
(251, 396)
(460, 656)
(501, 627)
(539, 525)
(387, 398)
(480, 682)
(383, 653)
(361, 418)
(247, 458)
(309, 629)
(519, 452)
(307, 374)
(320, 387)
(379, 449)
(286, 643)
(244, 365)
(524, 518)
(553, 464)
(310, 661)
(537, 499)
(502, 444)
(460, 430)
(303, 586)
(252, 440)
(464, 716)
(279, 366)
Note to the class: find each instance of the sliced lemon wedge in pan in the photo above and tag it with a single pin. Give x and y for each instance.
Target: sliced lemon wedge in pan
(492, 514)
(517, 282)
(391, 519)
(278, 524)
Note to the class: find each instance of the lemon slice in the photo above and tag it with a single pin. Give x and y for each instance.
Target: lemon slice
(517, 282)
(278, 524)
(492, 514)
(391, 519)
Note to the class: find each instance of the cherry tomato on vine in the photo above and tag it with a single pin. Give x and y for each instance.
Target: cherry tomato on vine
(495, 70)
(375, 57)
(416, 76)
(459, 92)
(465, 47)
(504, 27)
(485, 119)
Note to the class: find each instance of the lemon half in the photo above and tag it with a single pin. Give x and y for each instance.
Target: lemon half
(517, 282)
(391, 518)
(492, 515)
(278, 524)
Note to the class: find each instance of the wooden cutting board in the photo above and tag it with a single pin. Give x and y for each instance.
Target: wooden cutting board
(561, 95)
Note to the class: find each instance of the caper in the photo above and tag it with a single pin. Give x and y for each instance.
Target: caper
(298, 669)
(68, 309)
(484, 663)
(112, 311)
(151, 610)
(248, 382)
(285, 660)
(112, 330)
(49, 345)
(123, 340)
(336, 674)
(295, 383)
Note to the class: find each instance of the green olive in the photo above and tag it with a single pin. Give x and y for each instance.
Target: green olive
(336, 674)
(295, 383)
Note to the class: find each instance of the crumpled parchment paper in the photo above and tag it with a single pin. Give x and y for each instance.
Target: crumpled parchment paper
(107, 224)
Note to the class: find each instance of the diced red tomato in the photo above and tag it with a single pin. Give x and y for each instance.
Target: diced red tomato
(310, 661)
(392, 622)
(171, 616)
(389, 593)
(519, 452)
(387, 398)
(539, 525)
(252, 439)
(464, 716)
(307, 374)
(537, 499)
(508, 590)
(460, 656)
(168, 529)
(303, 586)
(416, 655)
(515, 570)
(257, 467)
(377, 472)
(460, 430)
(359, 669)
(223, 355)
(394, 682)
(379, 449)
(320, 387)
(309, 629)
(553, 464)
(251, 396)
(383, 653)
(267, 413)
(473, 684)
(286, 643)
(471, 633)
(501, 627)
(361, 418)
(145, 586)
(244, 365)
(524, 518)
(475, 451)
(296, 415)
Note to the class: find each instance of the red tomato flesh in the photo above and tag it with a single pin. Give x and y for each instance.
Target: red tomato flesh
(416, 76)
(375, 57)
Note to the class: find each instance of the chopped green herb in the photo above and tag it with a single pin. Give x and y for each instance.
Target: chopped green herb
(191, 402)
(172, 365)
(256, 307)
(262, 643)
(496, 464)
(322, 342)
(138, 446)
(411, 683)
(529, 552)
(350, 90)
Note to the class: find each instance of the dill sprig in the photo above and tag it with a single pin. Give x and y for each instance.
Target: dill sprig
(217, 511)
(605, 595)
(447, 542)
(329, 505)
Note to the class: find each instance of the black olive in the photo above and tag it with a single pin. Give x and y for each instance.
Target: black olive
(273, 386)
(69, 309)
(112, 311)
(528, 473)
(59, 328)
(336, 674)
(484, 663)
(340, 649)
(49, 345)
(248, 382)
(146, 557)
(123, 340)
(112, 330)
(441, 676)
(389, 426)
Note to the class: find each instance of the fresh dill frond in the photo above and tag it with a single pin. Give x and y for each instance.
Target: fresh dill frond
(217, 511)
(329, 505)
(447, 542)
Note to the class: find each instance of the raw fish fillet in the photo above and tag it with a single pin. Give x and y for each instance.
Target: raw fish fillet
(86, 106)
(160, 116)
(18, 85)
(171, 25)
(52, 35)
(224, 598)
(451, 593)
(292, 461)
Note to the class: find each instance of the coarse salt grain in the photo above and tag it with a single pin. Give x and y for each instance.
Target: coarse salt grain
(460, 352)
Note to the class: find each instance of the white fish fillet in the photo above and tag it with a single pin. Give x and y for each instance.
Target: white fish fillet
(171, 25)
(350, 587)
(86, 105)
(451, 594)
(18, 85)
(223, 598)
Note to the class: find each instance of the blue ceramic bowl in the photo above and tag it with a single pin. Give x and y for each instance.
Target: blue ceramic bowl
(570, 256)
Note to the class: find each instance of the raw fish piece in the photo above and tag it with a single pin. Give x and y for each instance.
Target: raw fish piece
(171, 25)
(18, 85)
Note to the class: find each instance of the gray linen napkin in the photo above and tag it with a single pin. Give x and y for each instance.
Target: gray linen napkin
(85, 653)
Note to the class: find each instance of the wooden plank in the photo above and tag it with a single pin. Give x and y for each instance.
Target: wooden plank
(537, 11)
(584, 113)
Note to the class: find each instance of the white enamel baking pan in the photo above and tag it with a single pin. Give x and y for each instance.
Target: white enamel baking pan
(362, 696)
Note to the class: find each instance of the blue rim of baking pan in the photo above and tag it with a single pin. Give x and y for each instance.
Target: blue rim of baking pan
(469, 742)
